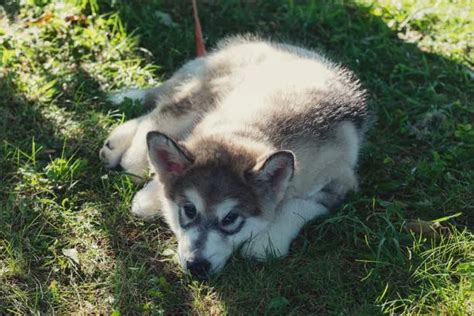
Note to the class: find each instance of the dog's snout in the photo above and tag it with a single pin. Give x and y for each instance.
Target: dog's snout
(198, 268)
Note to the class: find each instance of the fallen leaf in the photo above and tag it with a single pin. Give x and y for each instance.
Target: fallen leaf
(45, 18)
(426, 228)
(72, 254)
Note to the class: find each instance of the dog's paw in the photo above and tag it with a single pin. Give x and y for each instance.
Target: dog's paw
(262, 247)
(111, 154)
(146, 203)
(117, 143)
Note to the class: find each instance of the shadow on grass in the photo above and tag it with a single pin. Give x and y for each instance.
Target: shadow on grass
(33, 219)
(39, 219)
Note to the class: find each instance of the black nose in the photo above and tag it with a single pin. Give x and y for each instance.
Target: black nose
(199, 268)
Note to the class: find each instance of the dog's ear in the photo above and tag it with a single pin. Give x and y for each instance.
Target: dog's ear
(274, 173)
(168, 158)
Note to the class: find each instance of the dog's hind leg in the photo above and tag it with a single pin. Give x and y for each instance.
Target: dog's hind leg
(117, 143)
(177, 104)
(126, 146)
(134, 159)
(120, 139)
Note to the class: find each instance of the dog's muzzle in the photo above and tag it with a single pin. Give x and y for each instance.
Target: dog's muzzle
(198, 268)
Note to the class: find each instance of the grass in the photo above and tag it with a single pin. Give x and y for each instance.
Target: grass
(69, 245)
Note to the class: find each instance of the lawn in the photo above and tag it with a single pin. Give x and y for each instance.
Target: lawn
(68, 243)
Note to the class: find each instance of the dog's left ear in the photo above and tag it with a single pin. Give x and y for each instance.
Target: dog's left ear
(168, 157)
(275, 173)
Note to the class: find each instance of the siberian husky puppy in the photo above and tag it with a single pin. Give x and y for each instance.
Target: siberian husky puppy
(247, 144)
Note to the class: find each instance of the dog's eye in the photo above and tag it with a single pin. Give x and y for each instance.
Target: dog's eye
(230, 218)
(190, 210)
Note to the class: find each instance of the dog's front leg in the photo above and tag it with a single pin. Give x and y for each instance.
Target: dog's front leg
(146, 203)
(290, 218)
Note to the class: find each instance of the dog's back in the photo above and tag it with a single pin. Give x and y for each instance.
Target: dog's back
(287, 98)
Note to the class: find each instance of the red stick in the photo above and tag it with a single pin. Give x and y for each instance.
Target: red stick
(200, 49)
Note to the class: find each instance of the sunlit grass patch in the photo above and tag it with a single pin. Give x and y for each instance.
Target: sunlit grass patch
(443, 279)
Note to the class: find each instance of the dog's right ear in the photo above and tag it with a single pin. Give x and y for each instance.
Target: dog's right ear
(168, 158)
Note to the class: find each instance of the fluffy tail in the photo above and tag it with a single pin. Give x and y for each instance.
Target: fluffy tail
(200, 49)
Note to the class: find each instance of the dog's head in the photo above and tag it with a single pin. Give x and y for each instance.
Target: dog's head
(216, 196)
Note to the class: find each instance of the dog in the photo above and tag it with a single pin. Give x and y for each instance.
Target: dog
(247, 144)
